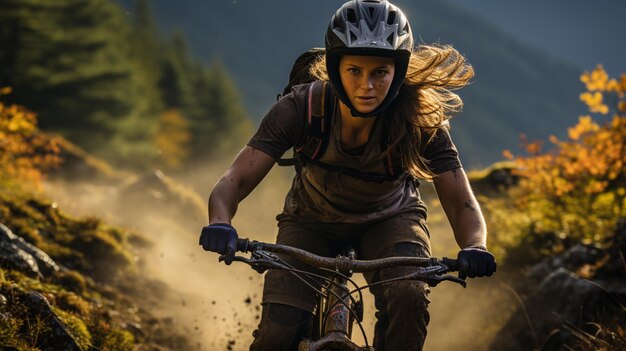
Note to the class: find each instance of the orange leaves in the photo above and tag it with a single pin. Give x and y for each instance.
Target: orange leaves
(24, 151)
(16, 119)
(600, 88)
(592, 155)
(595, 102)
(508, 154)
(585, 125)
(576, 190)
(597, 80)
(172, 139)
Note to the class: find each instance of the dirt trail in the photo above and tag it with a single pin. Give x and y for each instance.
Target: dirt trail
(218, 306)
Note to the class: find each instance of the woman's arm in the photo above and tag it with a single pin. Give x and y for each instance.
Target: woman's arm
(246, 172)
(462, 209)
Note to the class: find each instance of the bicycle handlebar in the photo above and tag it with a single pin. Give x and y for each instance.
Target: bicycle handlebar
(344, 263)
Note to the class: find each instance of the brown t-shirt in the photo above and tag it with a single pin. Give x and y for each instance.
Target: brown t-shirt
(321, 195)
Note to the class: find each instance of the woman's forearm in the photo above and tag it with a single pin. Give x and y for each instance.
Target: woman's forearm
(248, 169)
(469, 225)
(462, 209)
(223, 202)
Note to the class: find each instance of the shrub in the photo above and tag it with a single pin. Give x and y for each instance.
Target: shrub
(573, 192)
(25, 152)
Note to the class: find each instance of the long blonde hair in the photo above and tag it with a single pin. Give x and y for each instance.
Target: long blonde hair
(425, 103)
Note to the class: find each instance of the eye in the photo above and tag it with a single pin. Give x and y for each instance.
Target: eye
(354, 71)
(381, 72)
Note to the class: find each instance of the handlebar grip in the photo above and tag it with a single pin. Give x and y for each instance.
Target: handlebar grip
(453, 264)
(242, 245)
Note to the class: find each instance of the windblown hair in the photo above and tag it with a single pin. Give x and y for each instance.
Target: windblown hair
(425, 103)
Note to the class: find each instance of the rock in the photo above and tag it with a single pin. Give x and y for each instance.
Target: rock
(494, 179)
(136, 330)
(572, 259)
(561, 298)
(155, 191)
(23, 256)
(13, 257)
(58, 336)
(54, 335)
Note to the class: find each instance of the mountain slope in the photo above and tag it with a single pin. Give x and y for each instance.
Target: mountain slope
(516, 90)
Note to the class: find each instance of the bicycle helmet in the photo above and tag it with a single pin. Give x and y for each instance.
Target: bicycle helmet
(373, 28)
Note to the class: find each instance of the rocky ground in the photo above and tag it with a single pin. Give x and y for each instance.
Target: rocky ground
(574, 301)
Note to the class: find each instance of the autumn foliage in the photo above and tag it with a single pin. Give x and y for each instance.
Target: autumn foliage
(25, 152)
(576, 190)
(172, 139)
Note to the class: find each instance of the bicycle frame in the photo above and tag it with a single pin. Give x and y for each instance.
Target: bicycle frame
(334, 321)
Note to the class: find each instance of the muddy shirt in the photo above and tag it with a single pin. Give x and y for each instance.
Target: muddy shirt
(321, 195)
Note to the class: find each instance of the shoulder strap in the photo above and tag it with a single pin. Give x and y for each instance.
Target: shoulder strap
(318, 120)
(320, 107)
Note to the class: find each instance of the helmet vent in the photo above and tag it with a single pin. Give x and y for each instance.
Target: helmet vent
(405, 29)
(351, 15)
(390, 39)
(391, 18)
(353, 37)
(371, 10)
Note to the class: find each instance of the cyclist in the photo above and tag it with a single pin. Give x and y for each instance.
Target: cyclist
(387, 90)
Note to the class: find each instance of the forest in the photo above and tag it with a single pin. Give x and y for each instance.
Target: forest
(113, 86)
(112, 136)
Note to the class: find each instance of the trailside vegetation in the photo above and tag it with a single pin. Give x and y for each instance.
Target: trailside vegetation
(64, 280)
(558, 229)
(573, 192)
(25, 152)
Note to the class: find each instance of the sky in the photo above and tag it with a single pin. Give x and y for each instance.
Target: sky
(583, 32)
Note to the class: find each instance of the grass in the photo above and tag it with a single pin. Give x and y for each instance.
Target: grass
(81, 244)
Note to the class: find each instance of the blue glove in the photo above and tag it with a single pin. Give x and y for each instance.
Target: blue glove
(220, 238)
(476, 262)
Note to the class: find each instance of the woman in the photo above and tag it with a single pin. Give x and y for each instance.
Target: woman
(385, 89)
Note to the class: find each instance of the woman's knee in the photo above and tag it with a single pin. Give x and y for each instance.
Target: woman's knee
(281, 328)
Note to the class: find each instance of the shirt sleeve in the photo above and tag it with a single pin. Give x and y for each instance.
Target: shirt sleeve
(441, 153)
(282, 127)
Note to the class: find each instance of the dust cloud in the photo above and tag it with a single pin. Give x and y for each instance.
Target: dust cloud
(218, 306)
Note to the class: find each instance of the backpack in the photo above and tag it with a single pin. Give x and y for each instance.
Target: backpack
(320, 109)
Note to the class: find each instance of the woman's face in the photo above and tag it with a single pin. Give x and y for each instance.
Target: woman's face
(366, 80)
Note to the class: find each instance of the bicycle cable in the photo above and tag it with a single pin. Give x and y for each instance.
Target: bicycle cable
(410, 276)
(325, 317)
(339, 299)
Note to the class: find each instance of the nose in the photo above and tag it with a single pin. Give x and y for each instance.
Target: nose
(367, 81)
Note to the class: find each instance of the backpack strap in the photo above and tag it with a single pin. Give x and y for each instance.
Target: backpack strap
(320, 108)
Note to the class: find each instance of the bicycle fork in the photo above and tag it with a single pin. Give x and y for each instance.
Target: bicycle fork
(337, 324)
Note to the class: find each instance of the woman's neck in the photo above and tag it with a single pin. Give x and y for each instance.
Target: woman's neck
(355, 131)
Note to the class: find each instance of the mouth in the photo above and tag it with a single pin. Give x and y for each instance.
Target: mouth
(365, 98)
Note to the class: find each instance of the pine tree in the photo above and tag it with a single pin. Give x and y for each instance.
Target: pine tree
(221, 113)
(72, 62)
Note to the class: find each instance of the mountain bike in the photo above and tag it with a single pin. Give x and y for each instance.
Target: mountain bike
(338, 309)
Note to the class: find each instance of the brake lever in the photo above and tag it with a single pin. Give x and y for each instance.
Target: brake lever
(260, 261)
(434, 280)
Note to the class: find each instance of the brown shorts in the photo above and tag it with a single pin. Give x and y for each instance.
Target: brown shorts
(370, 240)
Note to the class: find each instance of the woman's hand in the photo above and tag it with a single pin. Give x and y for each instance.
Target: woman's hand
(220, 238)
(476, 262)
